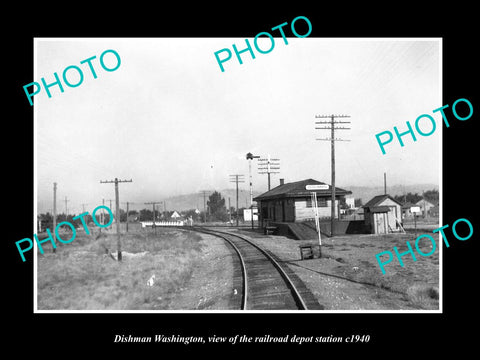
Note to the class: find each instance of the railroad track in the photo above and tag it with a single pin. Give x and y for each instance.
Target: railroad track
(265, 284)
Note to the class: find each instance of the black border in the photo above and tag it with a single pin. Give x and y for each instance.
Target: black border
(88, 333)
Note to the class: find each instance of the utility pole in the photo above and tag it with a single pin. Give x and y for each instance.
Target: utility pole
(111, 208)
(126, 226)
(250, 157)
(385, 183)
(102, 215)
(54, 212)
(66, 209)
(204, 192)
(330, 125)
(229, 212)
(267, 165)
(117, 213)
(153, 203)
(236, 178)
(83, 208)
(424, 206)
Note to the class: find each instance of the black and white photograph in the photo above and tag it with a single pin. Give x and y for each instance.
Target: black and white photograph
(219, 184)
(269, 181)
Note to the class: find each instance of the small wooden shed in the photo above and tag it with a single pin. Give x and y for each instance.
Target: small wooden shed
(383, 215)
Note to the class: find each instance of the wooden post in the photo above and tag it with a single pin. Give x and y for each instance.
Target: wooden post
(236, 176)
(117, 221)
(127, 218)
(117, 214)
(415, 219)
(385, 183)
(333, 177)
(54, 213)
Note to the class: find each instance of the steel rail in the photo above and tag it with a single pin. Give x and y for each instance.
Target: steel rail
(296, 295)
(242, 262)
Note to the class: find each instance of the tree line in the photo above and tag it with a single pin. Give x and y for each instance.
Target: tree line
(216, 211)
(431, 196)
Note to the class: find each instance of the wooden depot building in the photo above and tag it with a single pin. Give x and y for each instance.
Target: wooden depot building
(292, 202)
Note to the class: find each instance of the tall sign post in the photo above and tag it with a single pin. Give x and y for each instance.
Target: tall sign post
(250, 157)
(415, 210)
(313, 188)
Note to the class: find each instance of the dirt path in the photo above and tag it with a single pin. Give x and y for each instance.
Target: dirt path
(210, 287)
(347, 276)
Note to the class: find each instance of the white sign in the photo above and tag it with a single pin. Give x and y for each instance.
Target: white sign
(415, 209)
(317, 187)
(247, 215)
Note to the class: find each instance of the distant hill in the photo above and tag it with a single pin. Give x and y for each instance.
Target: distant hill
(367, 192)
(195, 200)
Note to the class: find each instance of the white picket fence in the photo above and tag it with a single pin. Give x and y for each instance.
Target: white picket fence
(162, 223)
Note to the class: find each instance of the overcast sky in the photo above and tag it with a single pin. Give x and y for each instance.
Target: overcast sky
(169, 119)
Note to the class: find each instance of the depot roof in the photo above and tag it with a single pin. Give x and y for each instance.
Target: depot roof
(378, 200)
(298, 189)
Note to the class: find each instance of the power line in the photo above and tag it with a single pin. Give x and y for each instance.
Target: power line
(237, 178)
(330, 125)
(204, 192)
(117, 212)
(126, 230)
(83, 207)
(54, 212)
(153, 203)
(66, 208)
(267, 166)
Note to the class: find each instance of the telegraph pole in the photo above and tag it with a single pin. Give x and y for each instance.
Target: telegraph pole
(66, 209)
(127, 219)
(236, 178)
(102, 217)
(385, 183)
(117, 213)
(330, 125)
(204, 192)
(153, 203)
(54, 212)
(126, 226)
(267, 165)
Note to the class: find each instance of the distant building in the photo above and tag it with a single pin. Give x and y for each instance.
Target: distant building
(132, 218)
(383, 214)
(350, 201)
(291, 202)
(406, 212)
(434, 211)
(425, 207)
(248, 215)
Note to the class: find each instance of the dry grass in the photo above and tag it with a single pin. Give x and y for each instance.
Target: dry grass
(82, 277)
(423, 296)
(349, 262)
